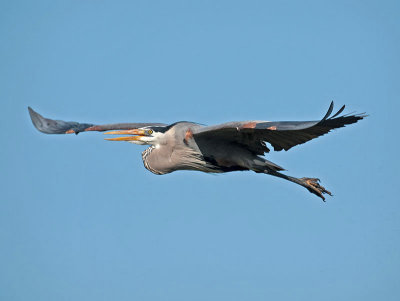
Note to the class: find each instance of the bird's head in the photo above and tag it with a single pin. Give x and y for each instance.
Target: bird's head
(142, 136)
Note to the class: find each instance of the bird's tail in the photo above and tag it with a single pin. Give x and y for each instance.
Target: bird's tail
(261, 165)
(273, 166)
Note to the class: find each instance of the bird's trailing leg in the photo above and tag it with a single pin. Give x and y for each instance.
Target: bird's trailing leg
(312, 184)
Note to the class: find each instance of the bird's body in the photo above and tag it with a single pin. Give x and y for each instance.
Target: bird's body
(168, 155)
(221, 148)
(184, 152)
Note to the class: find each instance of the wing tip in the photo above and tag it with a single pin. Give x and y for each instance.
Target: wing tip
(36, 118)
(327, 115)
(329, 111)
(48, 126)
(31, 112)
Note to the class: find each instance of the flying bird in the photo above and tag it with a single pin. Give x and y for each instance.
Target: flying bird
(226, 147)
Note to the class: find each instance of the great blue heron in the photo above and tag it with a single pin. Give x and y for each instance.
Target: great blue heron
(220, 148)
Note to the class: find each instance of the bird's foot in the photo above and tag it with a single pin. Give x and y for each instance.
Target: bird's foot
(313, 186)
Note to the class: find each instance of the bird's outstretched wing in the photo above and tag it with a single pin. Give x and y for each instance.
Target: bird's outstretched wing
(280, 134)
(50, 126)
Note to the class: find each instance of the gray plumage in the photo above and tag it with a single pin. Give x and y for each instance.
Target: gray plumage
(221, 148)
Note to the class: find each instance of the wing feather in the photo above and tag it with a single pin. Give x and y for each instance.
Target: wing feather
(50, 126)
(282, 135)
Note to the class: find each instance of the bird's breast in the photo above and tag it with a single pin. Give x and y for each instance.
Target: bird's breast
(158, 160)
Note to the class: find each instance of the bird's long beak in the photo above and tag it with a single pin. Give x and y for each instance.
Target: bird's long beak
(139, 134)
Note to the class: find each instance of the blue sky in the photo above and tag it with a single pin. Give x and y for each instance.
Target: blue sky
(81, 219)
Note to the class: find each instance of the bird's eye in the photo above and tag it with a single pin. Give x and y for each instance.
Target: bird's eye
(150, 132)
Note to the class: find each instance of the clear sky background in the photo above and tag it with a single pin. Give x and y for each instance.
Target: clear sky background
(80, 217)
